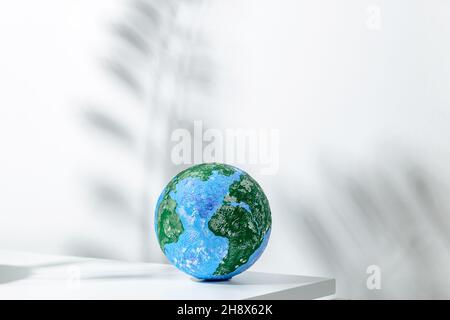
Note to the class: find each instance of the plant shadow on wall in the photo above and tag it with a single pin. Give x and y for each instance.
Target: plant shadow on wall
(161, 62)
(394, 214)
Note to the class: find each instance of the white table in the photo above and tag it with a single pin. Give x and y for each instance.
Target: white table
(37, 276)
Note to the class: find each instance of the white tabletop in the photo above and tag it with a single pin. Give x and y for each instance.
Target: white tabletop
(37, 276)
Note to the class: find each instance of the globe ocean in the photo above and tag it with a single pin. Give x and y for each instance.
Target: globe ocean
(213, 221)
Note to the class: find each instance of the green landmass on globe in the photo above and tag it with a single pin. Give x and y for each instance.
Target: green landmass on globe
(213, 221)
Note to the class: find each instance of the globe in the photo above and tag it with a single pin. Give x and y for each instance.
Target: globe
(212, 221)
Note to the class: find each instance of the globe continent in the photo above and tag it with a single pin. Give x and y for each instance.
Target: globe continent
(212, 221)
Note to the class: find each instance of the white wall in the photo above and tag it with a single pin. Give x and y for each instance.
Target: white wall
(363, 116)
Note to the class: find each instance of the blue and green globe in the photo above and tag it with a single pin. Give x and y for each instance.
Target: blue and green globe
(213, 221)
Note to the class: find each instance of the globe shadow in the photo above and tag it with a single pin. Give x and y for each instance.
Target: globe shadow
(210, 280)
(260, 279)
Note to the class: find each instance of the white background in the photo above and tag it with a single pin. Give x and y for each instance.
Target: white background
(357, 109)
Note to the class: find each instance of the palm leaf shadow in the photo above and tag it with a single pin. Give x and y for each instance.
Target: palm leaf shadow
(394, 215)
(142, 38)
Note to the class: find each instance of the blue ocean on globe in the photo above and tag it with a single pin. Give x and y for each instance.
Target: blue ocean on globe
(213, 221)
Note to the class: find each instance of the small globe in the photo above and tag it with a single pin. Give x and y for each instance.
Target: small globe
(212, 221)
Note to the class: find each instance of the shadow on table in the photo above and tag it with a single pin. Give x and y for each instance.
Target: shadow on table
(10, 273)
(260, 278)
(120, 276)
(127, 273)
